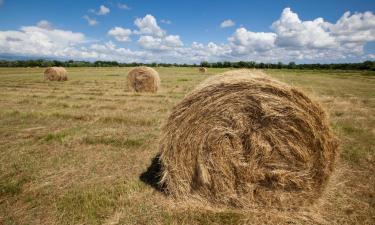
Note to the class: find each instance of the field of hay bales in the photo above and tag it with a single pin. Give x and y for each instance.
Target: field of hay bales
(72, 152)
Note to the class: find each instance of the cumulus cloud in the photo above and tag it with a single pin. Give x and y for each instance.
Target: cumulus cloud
(148, 25)
(56, 43)
(244, 41)
(153, 37)
(120, 34)
(123, 6)
(346, 37)
(38, 41)
(291, 39)
(103, 10)
(109, 51)
(209, 52)
(356, 28)
(45, 25)
(292, 32)
(170, 42)
(90, 21)
(227, 23)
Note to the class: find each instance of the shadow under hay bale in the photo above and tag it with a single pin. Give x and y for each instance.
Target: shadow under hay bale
(152, 175)
(243, 139)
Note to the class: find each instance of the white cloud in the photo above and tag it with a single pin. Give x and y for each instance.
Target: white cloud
(170, 42)
(103, 10)
(45, 25)
(346, 38)
(292, 32)
(291, 39)
(123, 6)
(56, 43)
(37, 41)
(148, 25)
(120, 34)
(1, 2)
(227, 23)
(153, 37)
(90, 21)
(166, 21)
(357, 28)
(173, 41)
(210, 52)
(244, 41)
(109, 51)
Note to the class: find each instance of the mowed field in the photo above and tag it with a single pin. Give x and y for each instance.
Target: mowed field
(73, 152)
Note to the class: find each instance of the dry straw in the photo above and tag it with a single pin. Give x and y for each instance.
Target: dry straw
(243, 139)
(143, 79)
(55, 74)
(202, 69)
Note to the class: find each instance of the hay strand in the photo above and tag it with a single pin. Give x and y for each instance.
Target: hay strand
(243, 139)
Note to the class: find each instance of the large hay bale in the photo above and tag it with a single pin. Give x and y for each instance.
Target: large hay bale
(55, 74)
(244, 139)
(143, 79)
(202, 69)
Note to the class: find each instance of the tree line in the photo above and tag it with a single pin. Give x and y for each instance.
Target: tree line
(366, 65)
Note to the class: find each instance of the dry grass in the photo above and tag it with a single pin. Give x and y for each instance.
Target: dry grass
(72, 152)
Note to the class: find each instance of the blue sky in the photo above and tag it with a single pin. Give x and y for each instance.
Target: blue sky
(189, 31)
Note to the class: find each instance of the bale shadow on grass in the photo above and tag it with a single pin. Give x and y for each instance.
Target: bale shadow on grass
(152, 175)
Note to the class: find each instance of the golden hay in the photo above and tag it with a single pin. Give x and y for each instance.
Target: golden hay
(202, 69)
(143, 79)
(55, 74)
(243, 139)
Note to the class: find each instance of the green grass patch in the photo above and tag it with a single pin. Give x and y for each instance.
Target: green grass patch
(12, 183)
(201, 217)
(11, 187)
(58, 137)
(92, 205)
(114, 141)
(127, 121)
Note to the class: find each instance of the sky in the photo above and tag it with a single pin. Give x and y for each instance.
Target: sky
(189, 31)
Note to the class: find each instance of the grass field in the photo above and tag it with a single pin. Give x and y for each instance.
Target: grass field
(72, 152)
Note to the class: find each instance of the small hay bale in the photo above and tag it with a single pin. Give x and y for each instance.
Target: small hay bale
(143, 79)
(63, 74)
(56, 74)
(202, 69)
(243, 139)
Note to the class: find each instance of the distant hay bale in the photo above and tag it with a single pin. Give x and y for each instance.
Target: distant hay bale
(243, 139)
(56, 74)
(202, 69)
(64, 74)
(143, 79)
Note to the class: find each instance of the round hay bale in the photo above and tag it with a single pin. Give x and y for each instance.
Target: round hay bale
(63, 74)
(202, 69)
(55, 74)
(243, 139)
(143, 79)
